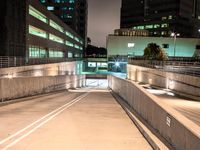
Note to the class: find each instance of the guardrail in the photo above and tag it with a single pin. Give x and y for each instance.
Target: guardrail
(9, 61)
(177, 66)
(176, 129)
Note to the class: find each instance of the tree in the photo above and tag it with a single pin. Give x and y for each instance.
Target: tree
(155, 52)
(196, 54)
(93, 51)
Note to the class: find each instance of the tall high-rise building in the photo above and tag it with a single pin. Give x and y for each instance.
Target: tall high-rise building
(162, 17)
(72, 12)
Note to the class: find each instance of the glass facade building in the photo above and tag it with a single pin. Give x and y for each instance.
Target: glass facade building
(36, 33)
(71, 12)
(162, 17)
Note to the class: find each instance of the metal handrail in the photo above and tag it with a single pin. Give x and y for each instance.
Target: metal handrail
(11, 61)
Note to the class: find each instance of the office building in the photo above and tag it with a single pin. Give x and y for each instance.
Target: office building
(72, 12)
(162, 17)
(28, 30)
(119, 48)
(131, 32)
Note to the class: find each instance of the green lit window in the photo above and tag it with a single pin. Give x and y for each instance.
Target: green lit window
(76, 39)
(76, 46)
(198, 17)
(149, 26)
(80, 47)
(56, 26)
(68, 43)
(156, 26)
(165, 25)
(164, 18)
(170, 17)
(35, 13)
(140, 27)
(77, 55)
(37, 52)
(69, 34)
(163, 33)
(56, 53)
(56, 38)
(70, 55)
(37, 32)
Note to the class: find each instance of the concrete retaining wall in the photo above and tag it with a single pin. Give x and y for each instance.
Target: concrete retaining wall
(179, 131)
(26, 86)
(43, 69)
(183, 84)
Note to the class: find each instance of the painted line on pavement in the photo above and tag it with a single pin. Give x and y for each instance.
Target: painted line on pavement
(45, 121)
(48, 117)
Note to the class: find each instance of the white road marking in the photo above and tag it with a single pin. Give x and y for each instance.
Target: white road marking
(50, 115)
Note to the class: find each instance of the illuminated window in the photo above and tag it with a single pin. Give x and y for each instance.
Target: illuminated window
(80, 47)
(156, 26)
(35, 13)
(56, 26)
(37, 32)
(68, 43)
(164, 18)
(76, 46)
(92, 64)
(42, 1)
(165, 25)
(50, 8)
(130, 45)
(77, 55)
(37, 52)
(163, 33)
(70, 55)
(149, 26)
(140, 27)
(56, 53)
(69, 34)
(170, 17)
(76, 39)
(56, 38)
(71, 1)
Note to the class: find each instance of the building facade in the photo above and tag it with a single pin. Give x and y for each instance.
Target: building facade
(131, 32)
(30, 31)
(162, 17)
(120, 48)
(72, 12)
(135, 45)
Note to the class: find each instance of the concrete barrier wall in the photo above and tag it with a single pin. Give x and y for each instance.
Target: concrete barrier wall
(182, 84)
(43, 69)
(179, 131)
(26, 86)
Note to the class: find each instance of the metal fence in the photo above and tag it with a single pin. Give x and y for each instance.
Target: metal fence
(189, 67)
(9, 61)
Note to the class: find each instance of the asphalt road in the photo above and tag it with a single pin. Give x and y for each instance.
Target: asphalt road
(81, 119)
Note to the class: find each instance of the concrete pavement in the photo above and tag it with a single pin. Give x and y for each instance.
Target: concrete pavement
(75, 120)
(186, 106)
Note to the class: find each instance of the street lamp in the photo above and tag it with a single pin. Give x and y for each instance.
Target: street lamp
(174, 35)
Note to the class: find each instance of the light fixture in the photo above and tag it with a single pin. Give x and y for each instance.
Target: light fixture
(131, 45)
(117, 64)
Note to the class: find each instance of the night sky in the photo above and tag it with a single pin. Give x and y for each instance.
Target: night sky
(103, 18)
